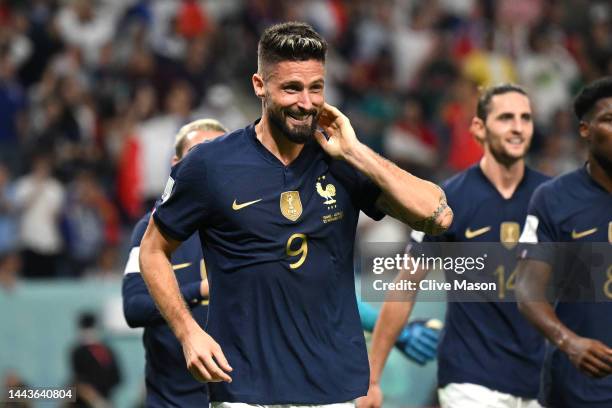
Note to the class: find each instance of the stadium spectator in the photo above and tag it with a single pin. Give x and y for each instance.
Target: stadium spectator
(95, 369)
(90, 223)
(39, 199)
(8, 213)
(13, 105)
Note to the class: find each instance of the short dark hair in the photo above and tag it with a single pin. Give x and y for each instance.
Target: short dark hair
(87, 320)
(590, 94)
(292, 41)
(484, 101)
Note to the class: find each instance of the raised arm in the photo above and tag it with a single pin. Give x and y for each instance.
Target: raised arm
(590, 356)
(416, 202)
(204, 357)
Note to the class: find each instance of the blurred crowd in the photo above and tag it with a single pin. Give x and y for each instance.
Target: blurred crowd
(92, 93)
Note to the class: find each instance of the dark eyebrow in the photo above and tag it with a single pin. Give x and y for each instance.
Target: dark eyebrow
(505, 115)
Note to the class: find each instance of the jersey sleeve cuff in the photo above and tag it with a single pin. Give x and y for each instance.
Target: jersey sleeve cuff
(167, 230)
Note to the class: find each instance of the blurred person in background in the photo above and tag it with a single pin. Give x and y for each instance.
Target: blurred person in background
(410, 141)
(90, 223)
(10, 265)
(39, 199)
(156, 143)
(124, 145)
(487, 66)
(456, 115)
(549, 71)
(13, 112)
(168, 382)
(561, 152)
(8, 212)
(94, 366)
(88, 25)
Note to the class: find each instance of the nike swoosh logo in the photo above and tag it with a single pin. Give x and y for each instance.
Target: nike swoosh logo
(236, 206)
(578, 235)
(181, 266)
(469, 234)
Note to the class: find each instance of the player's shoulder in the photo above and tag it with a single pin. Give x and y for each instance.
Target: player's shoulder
(139, 229)
(557, 197)
(219, 147)
(535, 177)
(454, 187)
(560, 187)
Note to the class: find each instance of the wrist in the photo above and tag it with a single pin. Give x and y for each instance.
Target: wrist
(185, 330)
(355, 154)
(564, 341)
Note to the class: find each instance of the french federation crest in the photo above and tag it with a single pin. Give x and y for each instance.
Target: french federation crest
(509, 233)
(290, 205)
(327, 193)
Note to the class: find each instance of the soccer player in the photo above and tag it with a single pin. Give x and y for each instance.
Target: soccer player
(576, 207)
(488, 354)
(276, 205)
(168, 382)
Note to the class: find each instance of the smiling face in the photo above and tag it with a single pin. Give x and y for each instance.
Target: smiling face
(507, 131)
(292, 95)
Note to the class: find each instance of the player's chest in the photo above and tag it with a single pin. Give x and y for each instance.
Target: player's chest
(264, 201)
(491, 221)
(592, 226)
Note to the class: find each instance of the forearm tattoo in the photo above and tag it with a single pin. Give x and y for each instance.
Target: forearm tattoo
(430, 225)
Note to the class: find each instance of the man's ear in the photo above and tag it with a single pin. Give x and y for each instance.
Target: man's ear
(477, 129)
(258, 85)
(583, 129)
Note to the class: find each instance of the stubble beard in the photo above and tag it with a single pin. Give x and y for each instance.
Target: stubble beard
(297, 134)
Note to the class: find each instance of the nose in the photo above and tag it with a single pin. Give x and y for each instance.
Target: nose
(517, 126)
(305, 100)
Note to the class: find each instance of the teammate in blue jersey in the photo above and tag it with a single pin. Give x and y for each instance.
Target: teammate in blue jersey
(489, 355)
(576, 207)
(276, 205)
(168, 382)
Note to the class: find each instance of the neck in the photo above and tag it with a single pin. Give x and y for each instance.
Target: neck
(598, 174)
(273, 140)
(505, 178)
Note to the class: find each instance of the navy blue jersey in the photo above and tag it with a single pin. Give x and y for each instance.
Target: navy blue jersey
(573, 208)
(279, 240)
(489, 343)
(168, 382)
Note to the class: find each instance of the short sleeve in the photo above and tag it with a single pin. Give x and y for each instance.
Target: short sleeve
(363, 191)
(185, 204)
(132, 264)
(539, 229)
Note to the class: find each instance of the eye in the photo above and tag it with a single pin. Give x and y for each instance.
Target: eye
(316, 88)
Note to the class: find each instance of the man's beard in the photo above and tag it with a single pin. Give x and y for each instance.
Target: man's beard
(503, 157)
(298, 134)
